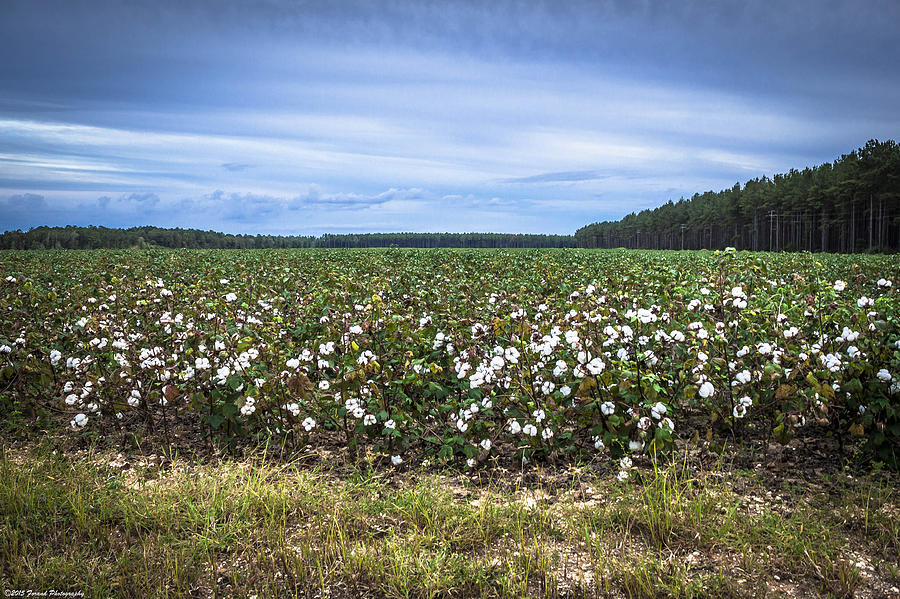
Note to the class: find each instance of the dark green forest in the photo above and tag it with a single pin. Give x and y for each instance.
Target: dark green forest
(849, 205)
(86, 238)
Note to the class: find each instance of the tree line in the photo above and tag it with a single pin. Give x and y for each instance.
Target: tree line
(849, 205)
(86, 238)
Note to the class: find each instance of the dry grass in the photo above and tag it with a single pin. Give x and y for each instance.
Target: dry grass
(273, 529)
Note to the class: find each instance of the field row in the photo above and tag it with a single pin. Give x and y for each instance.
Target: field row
(451, 355)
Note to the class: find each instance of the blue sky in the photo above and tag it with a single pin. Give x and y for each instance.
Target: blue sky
(310, 117)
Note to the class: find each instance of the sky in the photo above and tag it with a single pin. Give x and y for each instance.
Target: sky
(305, 117)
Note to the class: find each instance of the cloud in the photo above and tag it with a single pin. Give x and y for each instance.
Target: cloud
(235, 167)
(20, 210)
(243, 207)
(26, 202)
(142, 199)
(558, 177)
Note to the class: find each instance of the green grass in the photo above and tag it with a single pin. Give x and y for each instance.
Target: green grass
(271, 529)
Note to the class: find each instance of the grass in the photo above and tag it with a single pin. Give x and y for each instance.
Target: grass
(272, 529)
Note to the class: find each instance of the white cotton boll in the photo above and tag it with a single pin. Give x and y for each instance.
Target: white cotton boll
(646, 316)
(706, 390)
(884, 375)
(514, 427)
(308, 424)
(512, 355)
(608, 408)
(396, 460)
(831, 361)
(596, 365)
(530, 430)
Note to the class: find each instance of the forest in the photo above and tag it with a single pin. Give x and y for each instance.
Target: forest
(86, 238)
(849, 205)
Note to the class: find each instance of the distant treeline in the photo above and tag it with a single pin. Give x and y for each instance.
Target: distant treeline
(86, 238)
(850, 205)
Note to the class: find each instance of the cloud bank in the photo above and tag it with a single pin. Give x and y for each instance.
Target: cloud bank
(334, 116)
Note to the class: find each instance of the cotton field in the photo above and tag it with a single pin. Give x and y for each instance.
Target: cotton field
(457, 356)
